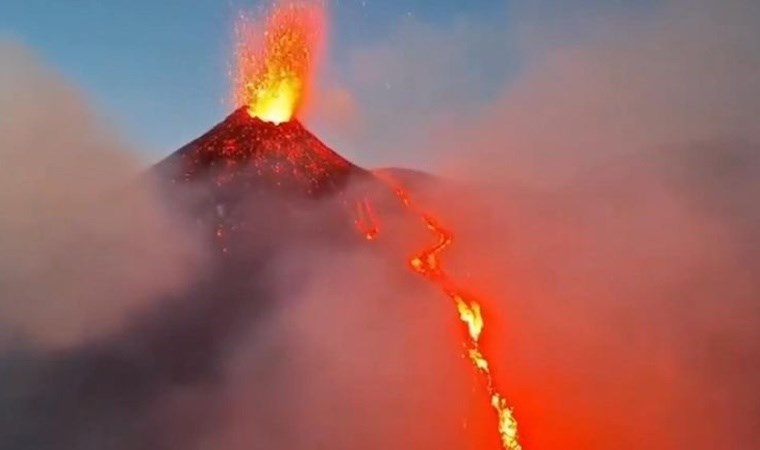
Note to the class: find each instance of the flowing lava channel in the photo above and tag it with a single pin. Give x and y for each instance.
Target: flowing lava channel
(428, 264)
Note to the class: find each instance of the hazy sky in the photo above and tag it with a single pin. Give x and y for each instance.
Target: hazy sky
(159, 70)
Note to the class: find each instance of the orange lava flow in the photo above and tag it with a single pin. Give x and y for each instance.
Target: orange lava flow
(275, 60)
(366, 221)
(428, 264)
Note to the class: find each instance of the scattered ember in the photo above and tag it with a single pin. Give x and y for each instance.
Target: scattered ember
(275, 60)
(244, 150)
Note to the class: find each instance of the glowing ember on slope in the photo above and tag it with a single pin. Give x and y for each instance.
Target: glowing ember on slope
(275, 60)
(366, 221)
(427, 264)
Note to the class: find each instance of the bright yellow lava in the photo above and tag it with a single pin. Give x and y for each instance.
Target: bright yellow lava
(274, 67)
(276, 105)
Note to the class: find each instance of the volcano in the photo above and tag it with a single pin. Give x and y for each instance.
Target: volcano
(259, 175)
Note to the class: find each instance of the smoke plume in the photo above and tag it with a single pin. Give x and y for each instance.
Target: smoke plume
(615, 225)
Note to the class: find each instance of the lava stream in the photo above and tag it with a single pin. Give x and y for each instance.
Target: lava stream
(428, 264)
(366, 221)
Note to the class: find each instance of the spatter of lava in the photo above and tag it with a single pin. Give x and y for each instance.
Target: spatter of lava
(275, 59)
(427, 263)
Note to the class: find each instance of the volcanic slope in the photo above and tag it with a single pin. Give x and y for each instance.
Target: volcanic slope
(246, 152)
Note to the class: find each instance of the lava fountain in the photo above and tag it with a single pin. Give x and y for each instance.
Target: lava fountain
(273, 68)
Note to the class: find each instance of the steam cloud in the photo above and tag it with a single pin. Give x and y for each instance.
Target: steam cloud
(85, 243)
(617, 185)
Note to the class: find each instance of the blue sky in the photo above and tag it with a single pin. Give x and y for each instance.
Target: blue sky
(159, 68)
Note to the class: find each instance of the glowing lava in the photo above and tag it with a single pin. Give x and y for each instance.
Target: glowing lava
(275, 61)
(428, 264)
(366, 221)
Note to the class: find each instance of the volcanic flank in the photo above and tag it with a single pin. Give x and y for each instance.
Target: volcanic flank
(253, 182)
